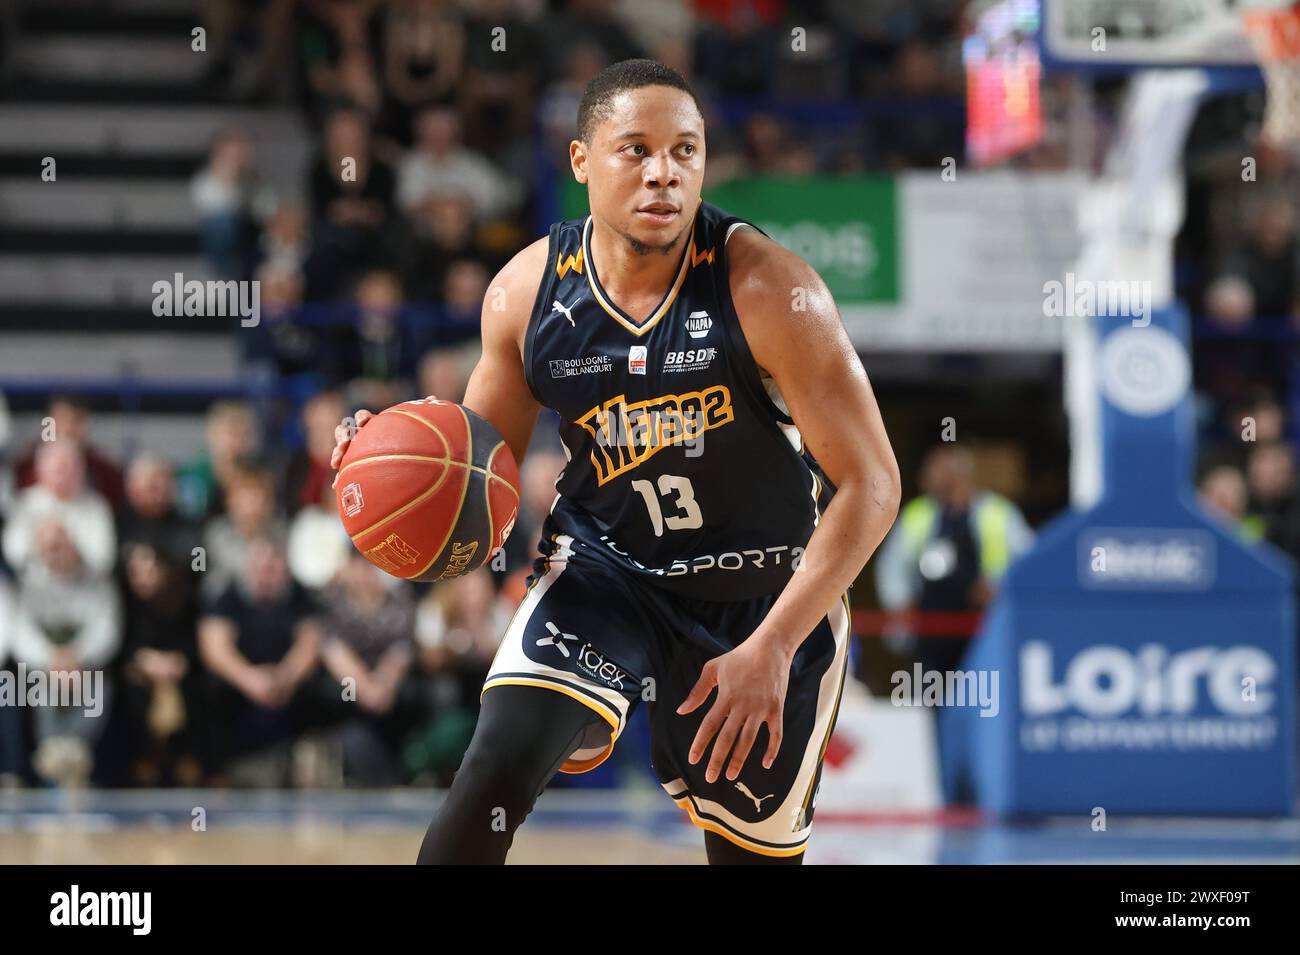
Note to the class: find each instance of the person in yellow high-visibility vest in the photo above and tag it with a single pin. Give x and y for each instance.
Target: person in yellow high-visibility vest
(951, 545)
(1223, 492)
(947, 552)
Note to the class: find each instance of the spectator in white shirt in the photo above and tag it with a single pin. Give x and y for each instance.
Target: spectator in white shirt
(68, 624)
(67, 616)
(442, 168)
(250, 513)
(61, 495)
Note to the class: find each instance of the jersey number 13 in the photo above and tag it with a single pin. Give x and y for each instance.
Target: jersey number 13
(688, 515)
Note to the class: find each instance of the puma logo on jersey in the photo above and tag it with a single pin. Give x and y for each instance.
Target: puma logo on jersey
(567, 312)
(629, 434)
(758, 800)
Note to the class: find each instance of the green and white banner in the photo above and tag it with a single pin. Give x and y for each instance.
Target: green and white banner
(846, 229)
(920, 262)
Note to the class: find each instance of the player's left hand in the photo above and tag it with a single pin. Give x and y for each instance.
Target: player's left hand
(751, 682)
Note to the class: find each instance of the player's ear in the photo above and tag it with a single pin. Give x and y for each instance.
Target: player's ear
(578, 160)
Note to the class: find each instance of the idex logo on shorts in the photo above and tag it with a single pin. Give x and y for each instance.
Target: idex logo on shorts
(590, 660)
(556, 639)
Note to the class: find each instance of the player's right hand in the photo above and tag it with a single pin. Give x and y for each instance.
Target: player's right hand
(343, 437)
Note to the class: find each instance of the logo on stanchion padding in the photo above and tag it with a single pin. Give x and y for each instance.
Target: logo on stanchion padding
(1144, 371)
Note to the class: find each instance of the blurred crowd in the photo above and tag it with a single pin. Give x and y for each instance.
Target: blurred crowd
(243, 640)
(1237, 269)
(441, 127)
(441, 131)
(1251, 482)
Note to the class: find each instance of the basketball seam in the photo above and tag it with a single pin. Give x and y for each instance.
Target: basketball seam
(428, 424)
(487, 499)
(423, 457)
(420, 499)
(464, 490)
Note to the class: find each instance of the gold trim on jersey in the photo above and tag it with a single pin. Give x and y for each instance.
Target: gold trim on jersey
(614, 311)
(562, 266)
(697, 258)
(627, 435)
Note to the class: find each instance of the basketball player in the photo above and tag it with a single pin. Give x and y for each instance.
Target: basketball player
(690, 561)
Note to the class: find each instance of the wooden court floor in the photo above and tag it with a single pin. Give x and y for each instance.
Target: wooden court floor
(50, 827)
(316, 844)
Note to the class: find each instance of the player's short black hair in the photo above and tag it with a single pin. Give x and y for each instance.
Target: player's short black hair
(618, 78)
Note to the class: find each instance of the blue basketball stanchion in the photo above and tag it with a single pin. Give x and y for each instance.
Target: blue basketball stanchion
(1146, 652)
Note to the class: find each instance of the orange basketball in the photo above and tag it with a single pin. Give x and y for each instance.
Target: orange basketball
(428, 490)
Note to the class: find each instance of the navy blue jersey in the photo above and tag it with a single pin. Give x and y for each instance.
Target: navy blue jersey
(683, 466)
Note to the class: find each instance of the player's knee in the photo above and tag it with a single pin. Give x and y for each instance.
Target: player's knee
(523, 736)
(496, 766)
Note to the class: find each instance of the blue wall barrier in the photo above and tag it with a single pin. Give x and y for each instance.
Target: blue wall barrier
(1147, 655)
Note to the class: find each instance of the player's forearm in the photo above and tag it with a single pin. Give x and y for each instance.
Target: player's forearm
(501, 399)
(857, 520)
